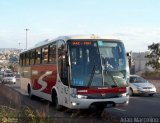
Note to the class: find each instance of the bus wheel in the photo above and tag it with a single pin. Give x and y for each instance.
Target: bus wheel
(58, 107)
(29, 92)
(55, 102)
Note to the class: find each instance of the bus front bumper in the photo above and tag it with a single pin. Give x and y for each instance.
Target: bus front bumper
(77, 103)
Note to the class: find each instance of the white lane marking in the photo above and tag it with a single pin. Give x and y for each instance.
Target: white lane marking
(119, 109)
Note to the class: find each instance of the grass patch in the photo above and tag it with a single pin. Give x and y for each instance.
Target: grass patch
(154, 74)
(22, 115)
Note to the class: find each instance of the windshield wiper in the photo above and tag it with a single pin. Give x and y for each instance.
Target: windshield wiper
(113, 86)
(92, 75)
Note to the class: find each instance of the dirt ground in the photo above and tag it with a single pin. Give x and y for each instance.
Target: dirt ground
(4, 101)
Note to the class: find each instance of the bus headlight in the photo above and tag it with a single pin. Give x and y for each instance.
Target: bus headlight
(79, 96)
(123, 95)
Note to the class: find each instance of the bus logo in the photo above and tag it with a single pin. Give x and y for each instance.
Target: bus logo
(42, 82)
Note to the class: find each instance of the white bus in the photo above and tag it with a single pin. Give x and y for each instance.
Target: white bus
(77, 72)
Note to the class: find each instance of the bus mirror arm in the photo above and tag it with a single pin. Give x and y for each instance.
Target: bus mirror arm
(128, 54)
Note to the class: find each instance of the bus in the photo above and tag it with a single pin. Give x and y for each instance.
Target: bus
(77, 72)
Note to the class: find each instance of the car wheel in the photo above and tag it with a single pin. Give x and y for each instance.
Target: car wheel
(150, 95)
(130, 91)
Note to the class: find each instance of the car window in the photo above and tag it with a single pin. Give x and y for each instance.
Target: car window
(137, 80)
(132, 79)
(8, 75)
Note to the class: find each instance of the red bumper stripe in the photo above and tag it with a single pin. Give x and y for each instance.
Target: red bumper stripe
(101, 90)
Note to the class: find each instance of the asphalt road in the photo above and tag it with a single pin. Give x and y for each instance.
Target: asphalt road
(66, 115)
(139, 106)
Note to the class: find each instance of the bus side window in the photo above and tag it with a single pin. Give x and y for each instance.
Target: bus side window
(45, 54)
(27, 58)
(52, 53)
(32, 57)
(38, 56)
(21, 59)
(62, 62)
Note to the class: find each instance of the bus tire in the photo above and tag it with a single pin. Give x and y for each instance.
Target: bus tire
(55, 101)
(29, 92)
(58, 107)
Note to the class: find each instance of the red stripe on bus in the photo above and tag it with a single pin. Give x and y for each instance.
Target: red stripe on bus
(101, 90)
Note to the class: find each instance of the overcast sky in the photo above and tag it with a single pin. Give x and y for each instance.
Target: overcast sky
(136, 22)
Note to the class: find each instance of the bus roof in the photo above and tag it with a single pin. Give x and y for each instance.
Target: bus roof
(91, 36)
(65, 38)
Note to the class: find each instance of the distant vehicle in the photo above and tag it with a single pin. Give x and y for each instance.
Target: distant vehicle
(139, 85)
(8, 78)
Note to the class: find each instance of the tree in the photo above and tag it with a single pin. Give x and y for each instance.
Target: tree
(11, 67)
(13, 59)
(154, 56)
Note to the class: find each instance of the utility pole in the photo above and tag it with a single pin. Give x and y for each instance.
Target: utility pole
(19, 45)
(26, 36)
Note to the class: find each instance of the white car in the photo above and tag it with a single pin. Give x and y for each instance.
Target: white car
(8, 78)
(139, 85)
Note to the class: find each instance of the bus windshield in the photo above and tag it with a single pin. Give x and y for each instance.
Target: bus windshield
(97, 63)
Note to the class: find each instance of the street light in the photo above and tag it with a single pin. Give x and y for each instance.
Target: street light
(26, 36)
(19, 45)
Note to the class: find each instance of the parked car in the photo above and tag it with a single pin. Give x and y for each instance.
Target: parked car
(8, 78)
(139, 85)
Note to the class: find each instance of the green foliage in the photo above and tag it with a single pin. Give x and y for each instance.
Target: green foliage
(13, 59)
(11, 67)
(154, 74)
(154, 56)
(22, 115)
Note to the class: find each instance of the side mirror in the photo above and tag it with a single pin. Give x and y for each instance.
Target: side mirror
(128, 54)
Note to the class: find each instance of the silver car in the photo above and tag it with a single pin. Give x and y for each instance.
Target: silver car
(8, 78)
(139, 85)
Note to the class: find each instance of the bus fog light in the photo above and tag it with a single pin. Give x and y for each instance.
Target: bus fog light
(74, 104)
(127, 102)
